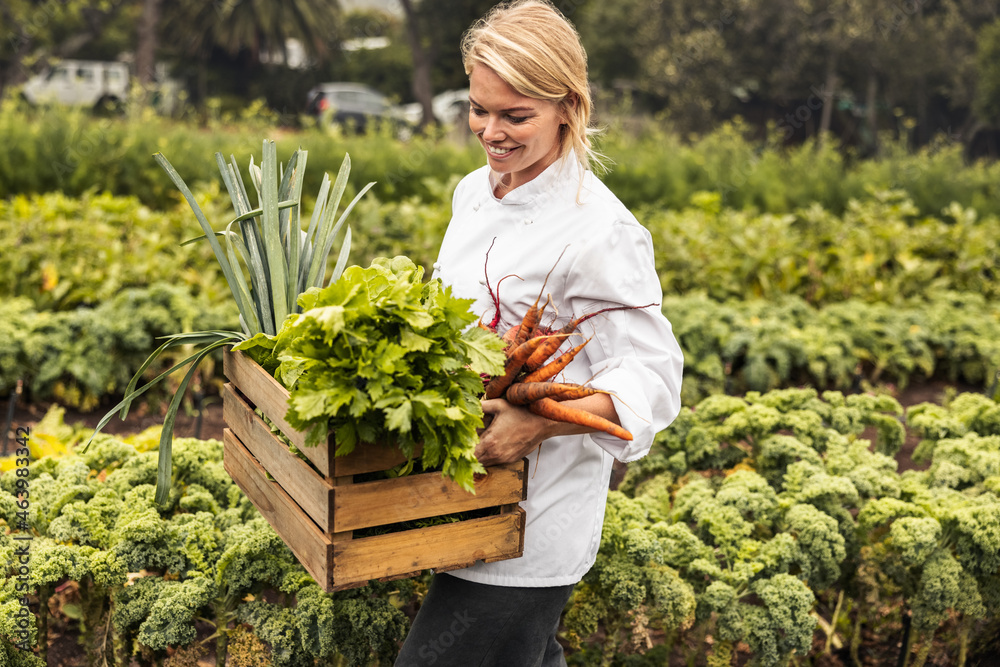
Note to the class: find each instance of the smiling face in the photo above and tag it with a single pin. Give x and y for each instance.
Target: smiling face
(519, 134)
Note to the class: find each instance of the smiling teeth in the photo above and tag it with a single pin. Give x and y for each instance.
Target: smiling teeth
(498, 151)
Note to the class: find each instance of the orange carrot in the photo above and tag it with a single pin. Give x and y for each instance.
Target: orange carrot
(553, 368)
(547, 407)
(530, 321)
(545, 350)
(522, 393)
(515, 362)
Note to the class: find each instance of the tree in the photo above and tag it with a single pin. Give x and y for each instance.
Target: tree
(257, 26)
(250, 29)
(148, 38)
(987, 95)
(434, 34)
(422, 90)
(388, 66)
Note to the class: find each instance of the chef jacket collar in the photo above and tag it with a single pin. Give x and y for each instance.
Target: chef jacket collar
(539, 185)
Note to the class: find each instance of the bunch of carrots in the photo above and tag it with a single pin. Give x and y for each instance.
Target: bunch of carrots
(527, 378)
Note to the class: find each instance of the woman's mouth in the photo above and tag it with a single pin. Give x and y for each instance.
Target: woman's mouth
(498, 151)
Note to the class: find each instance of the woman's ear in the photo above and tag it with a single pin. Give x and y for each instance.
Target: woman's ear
(567, 106)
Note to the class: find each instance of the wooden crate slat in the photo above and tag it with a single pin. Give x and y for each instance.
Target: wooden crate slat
(512, 509)
(495, 537)
(310, 545)
(387, 501)
(370, 457)
(266, 393)
(311, 491)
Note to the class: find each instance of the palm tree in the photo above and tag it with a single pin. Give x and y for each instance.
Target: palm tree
(253, 27)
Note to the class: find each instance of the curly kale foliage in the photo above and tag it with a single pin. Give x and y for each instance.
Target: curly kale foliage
(966, 413)
(357, 625)
(770, 431)
(820, 542)
(782, 625)
(915, 556)
(12, 656)
(966, 462)
(766, 503)
(160, 612)
(718, 558)
(206, 554)
(381, 355)
(630, 575)
(253, 557)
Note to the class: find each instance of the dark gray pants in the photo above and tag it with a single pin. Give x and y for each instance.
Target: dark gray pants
(466, 624)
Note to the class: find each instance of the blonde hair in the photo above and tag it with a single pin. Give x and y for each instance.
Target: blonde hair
(537, 52)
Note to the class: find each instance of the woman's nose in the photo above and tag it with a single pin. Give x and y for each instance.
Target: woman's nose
(492, 131)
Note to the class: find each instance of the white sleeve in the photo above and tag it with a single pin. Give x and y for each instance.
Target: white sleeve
(633, 353)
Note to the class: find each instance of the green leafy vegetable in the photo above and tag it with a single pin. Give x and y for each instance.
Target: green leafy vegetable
(382, 355)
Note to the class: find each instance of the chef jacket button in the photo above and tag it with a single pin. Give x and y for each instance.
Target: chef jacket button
(482, 281)
(527, 221)
(437, 266)
(475, 207)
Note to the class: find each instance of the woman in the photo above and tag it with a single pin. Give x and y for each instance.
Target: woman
(535, 200)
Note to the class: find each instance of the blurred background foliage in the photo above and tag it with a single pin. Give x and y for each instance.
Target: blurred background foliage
(793, 70)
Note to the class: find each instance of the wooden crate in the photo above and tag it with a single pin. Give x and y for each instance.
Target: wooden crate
(315, 508)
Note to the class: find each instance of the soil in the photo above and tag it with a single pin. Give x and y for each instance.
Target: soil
(187, 425)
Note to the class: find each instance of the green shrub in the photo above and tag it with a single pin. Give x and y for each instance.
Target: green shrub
(52, 149)
(81, 356)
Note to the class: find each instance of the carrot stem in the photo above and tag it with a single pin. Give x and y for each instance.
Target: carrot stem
(534, 314)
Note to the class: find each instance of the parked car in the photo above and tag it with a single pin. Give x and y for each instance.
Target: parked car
(103, 85)
(81, 83)
(352, 105)
(450, 107)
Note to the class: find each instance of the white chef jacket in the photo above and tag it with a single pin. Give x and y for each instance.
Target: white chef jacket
(608, 261)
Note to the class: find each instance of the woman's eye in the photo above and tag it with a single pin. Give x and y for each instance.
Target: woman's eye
(477, 112)
(517, 119)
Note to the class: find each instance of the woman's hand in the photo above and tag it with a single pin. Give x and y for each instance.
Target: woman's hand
(514, 431)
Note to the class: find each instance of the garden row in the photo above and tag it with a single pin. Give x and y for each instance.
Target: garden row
(70, 151)
(85, 357)
(82, 356)
(63, 252)
(774, 525)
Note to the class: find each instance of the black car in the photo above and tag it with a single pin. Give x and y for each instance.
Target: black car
(350, 105)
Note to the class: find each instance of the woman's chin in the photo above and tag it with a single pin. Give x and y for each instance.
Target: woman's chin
(499, 166)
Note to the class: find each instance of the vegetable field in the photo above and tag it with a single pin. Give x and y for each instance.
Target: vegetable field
(800, 511)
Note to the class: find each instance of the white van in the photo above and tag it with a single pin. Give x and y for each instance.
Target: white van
(80, 82)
